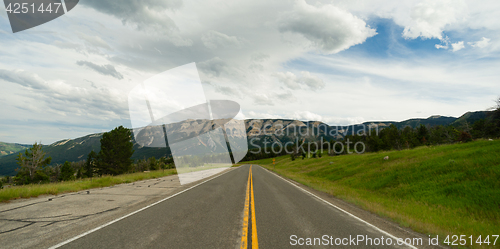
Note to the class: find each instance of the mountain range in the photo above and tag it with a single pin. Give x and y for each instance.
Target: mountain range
(257, 130)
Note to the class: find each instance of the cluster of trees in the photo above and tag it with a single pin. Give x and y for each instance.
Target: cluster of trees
(267, 152)
(200, 160)
(392, 138)
(114, 158)
(154, 164)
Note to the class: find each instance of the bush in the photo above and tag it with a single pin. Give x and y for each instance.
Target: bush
(465, 137)
(41, 177)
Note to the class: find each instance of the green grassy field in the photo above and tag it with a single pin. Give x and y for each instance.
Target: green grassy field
(34, 190)
(440, 190)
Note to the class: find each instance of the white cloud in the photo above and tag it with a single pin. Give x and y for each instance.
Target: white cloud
(213, 39)
(484, 42)
(258, 53)
(214, 66)
(60, 97)
(439, 46)
(23, 78)
(294, 82)
(430, 17)
(306, 116)
(457, 46)
(94, 40)
(151, 16)
(256, 115)
(142, 13)
(104, 69)
(229, 91)
(328, 27)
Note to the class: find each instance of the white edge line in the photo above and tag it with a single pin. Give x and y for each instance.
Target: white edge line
(352, 215)
(130, 214)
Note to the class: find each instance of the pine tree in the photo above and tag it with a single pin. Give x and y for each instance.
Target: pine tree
(90, 164)
(116, 151)
(67, 172)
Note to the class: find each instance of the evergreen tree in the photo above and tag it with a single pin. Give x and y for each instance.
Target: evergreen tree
(67, 172)
(153, 163)
(422, 134)
(90, 164)
(116, 151)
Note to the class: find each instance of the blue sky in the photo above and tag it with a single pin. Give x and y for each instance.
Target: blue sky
(340, 62)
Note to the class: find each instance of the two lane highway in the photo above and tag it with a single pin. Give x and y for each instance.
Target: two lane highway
(227, 212)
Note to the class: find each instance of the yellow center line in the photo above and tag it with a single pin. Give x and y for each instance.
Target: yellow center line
(246, 214)
(255, 243)
(244, 233)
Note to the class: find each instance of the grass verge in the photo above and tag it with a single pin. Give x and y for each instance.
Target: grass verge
(34, 190)
(439, 190)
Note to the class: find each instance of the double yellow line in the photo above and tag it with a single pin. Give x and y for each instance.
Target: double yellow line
(246, 216)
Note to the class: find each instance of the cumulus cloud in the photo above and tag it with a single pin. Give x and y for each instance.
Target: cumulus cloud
(104, 69)
(213, 39)
(481, 43)
(446, 44)
(294, 82)
(429, 18)
(328, 27)
(439, 46)
(457, 46)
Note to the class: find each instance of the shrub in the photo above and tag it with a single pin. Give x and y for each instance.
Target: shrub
(465, 137)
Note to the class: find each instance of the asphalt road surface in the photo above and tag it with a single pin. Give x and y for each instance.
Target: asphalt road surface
(244, 207)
